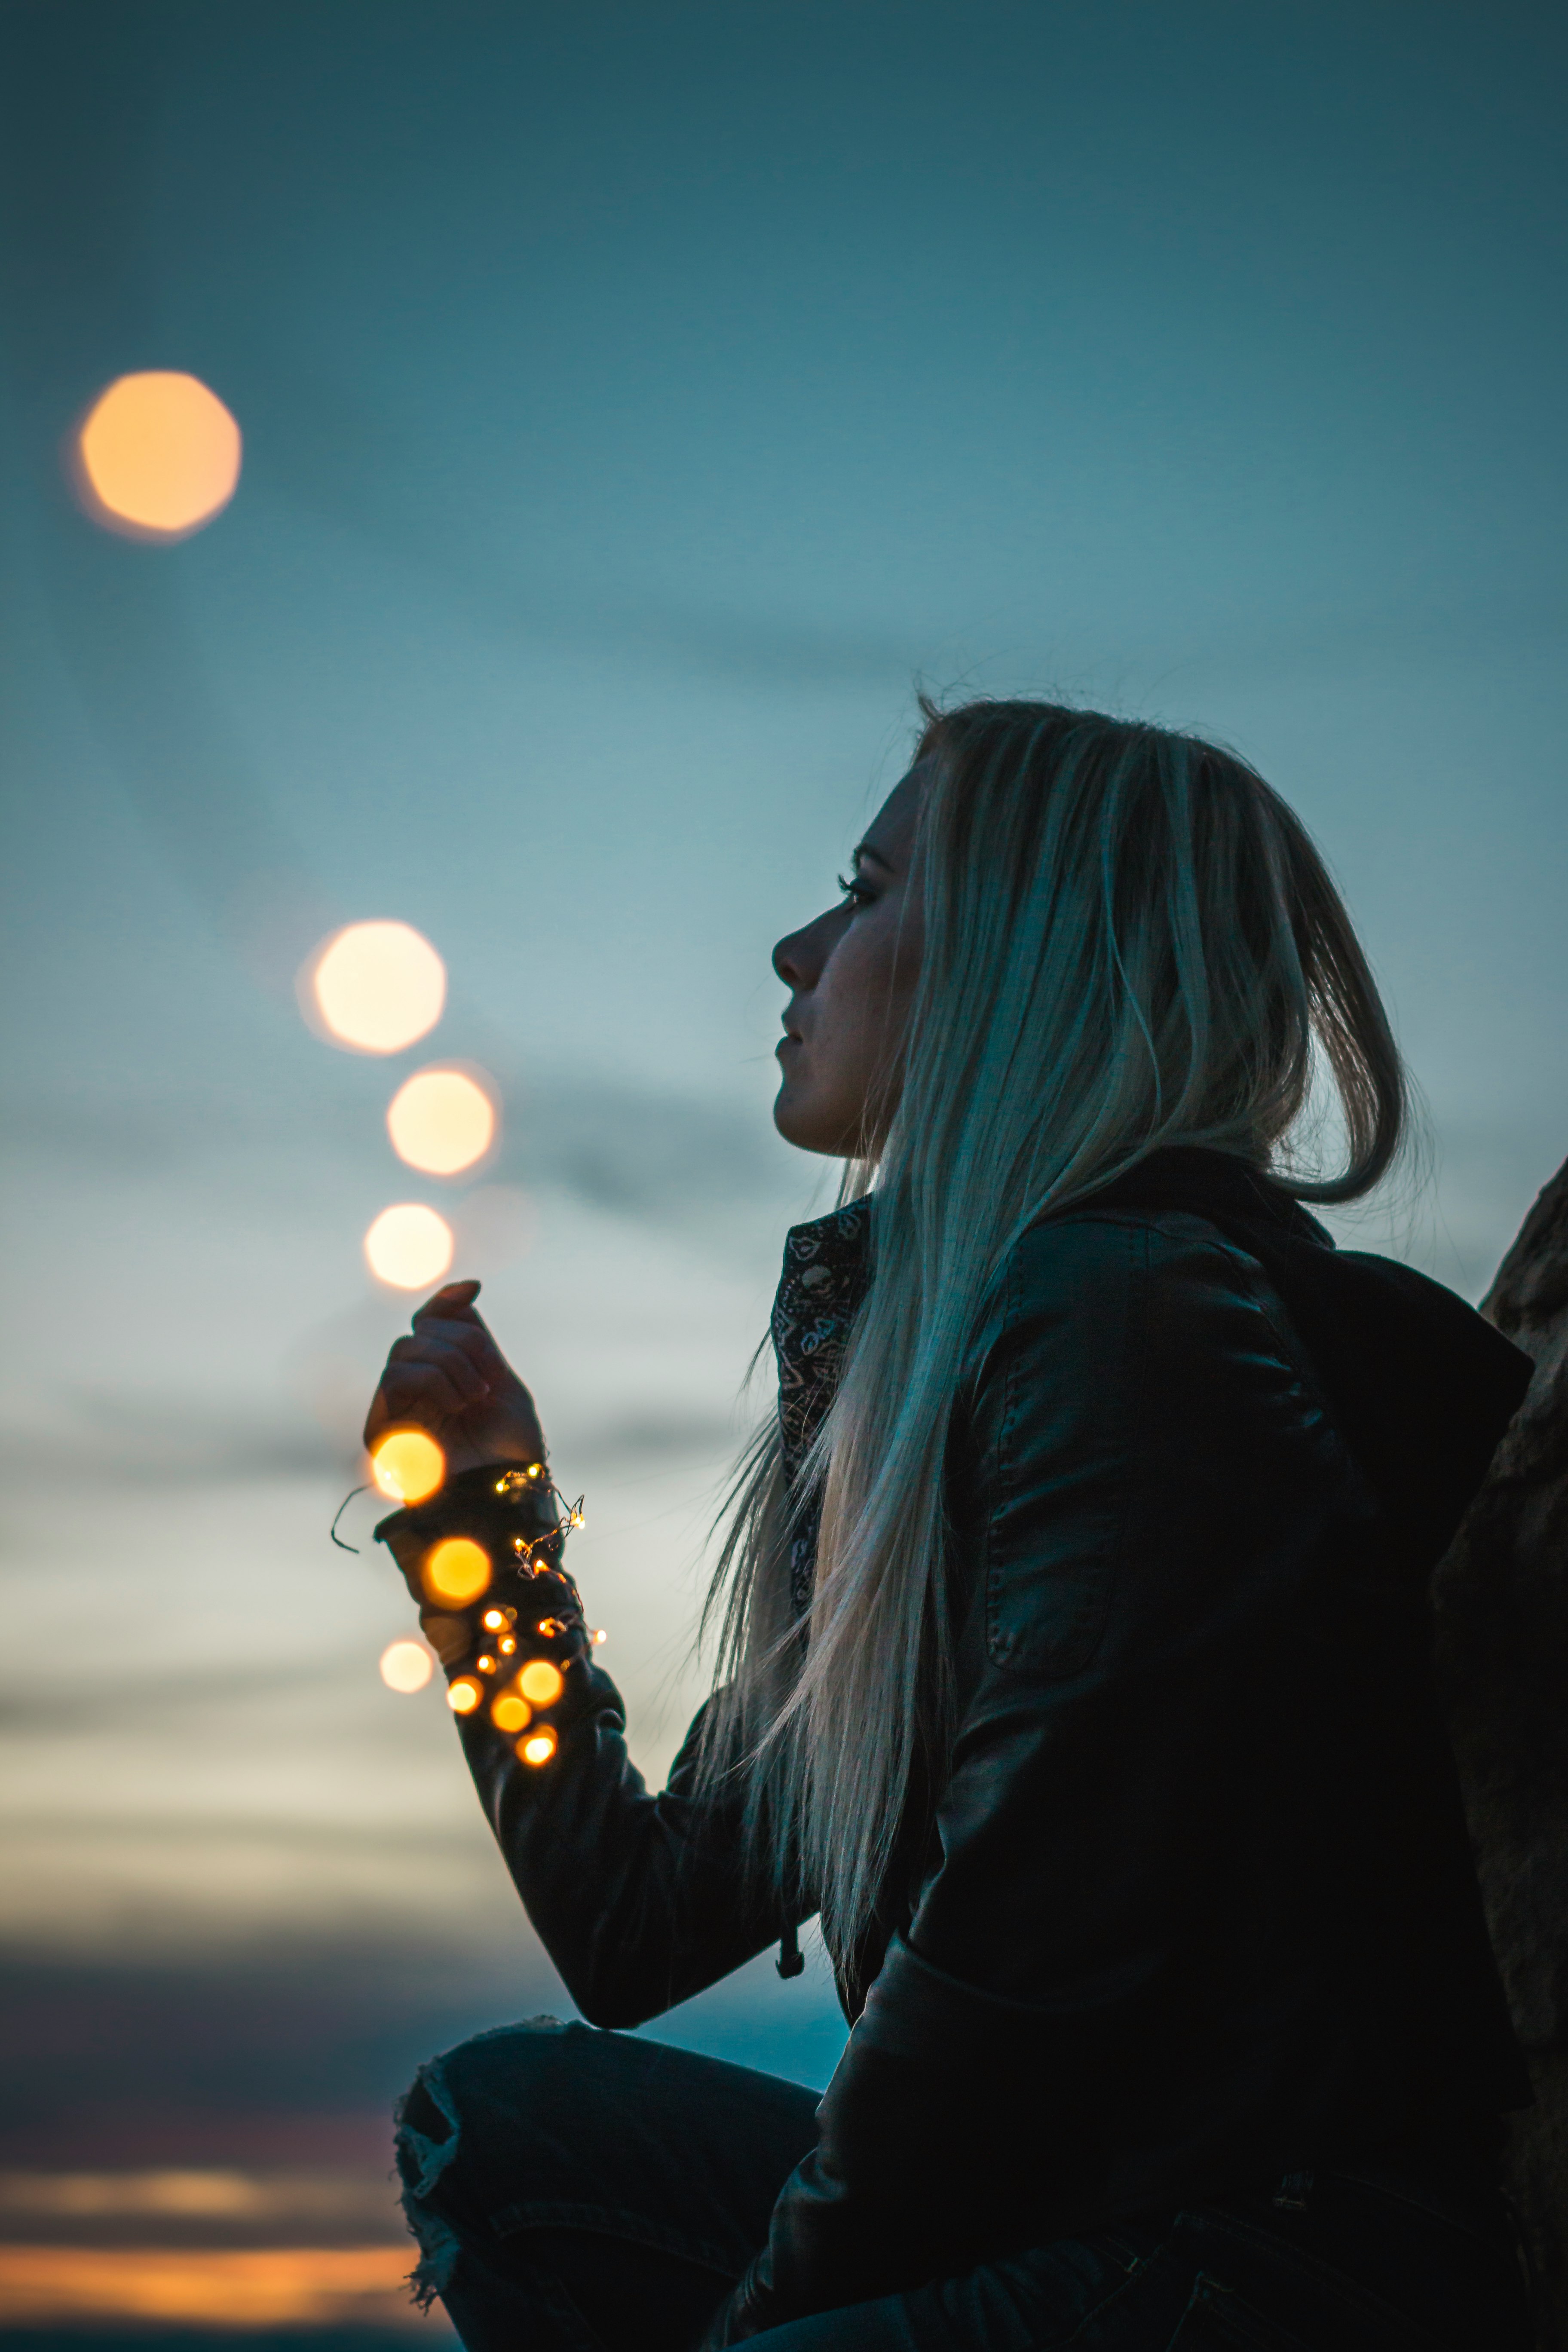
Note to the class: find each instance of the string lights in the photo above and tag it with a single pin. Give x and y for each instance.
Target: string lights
(467, 1572)
(156, 456)
(377, 988)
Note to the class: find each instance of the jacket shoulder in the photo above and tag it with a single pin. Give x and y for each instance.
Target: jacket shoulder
(1076, 1262)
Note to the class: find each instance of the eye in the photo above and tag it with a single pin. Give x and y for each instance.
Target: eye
(855, 891)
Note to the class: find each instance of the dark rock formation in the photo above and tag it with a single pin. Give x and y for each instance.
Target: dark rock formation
(1501, 1602)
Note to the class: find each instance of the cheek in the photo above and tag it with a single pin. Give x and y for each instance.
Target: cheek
(858, 979)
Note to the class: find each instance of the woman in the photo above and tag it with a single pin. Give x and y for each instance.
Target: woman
(1075, 1656)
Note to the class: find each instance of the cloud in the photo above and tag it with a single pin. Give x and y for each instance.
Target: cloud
(123, 1437)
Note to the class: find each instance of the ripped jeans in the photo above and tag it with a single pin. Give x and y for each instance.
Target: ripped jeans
(574, 2190)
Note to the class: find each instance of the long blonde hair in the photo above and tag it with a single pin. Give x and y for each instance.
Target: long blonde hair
(1131, 942)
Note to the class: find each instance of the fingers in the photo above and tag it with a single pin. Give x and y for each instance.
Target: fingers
(443, 1386)
(453, 1302)
(447, 1370)
(470, 1340)
(458, 1352)
(449, 1314)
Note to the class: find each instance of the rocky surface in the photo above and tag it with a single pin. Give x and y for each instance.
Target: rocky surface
(1501, 1604)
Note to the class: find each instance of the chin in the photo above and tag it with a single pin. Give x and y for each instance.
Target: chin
(787, 1113)
(796, 1124)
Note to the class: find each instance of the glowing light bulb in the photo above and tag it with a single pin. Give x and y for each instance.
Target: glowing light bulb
(598, 1636)
(510, 1482)
(492, 1621)
(507, 1645)
(464, 1695)
(540, 1682)
(511, 1713)
(408, 1246)
(442, 1121)
(406, 1665)
(538, 1748)
(408, 1465)
(157, 456)
(455, 1571)
(375, 987)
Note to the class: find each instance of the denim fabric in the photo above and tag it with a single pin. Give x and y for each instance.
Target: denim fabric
(574, 2190)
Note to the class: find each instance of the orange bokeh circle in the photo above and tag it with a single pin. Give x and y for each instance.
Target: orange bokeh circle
(157, 456)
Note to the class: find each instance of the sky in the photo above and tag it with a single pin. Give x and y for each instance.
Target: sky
(640, 406)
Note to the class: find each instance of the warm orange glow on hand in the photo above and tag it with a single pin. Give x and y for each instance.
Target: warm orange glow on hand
(538, 1748)
(409, 1246)
(464, 1695)
(158, 456)
(406, 1665)
(455, 1571)
(408, 1465)
(540, 1682)
(441, 1122)
(448, 1636)
(511, 1713)
(376, 986)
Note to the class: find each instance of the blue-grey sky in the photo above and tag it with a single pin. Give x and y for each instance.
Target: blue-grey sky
(638, 404)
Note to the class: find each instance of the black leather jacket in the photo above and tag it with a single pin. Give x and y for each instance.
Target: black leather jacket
(1193, 1905)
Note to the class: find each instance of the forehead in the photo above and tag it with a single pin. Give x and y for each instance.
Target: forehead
(891, 830)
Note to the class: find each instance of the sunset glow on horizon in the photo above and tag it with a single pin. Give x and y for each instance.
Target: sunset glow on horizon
(274, 2287)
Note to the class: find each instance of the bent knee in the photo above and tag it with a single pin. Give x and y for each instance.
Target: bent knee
(485, 2082)
(462, 2129)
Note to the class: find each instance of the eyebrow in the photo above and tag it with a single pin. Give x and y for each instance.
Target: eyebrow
(864, 849)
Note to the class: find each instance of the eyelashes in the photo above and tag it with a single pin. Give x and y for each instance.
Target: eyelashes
(855, 890)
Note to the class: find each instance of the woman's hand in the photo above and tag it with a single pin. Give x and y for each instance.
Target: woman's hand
(449, 1377)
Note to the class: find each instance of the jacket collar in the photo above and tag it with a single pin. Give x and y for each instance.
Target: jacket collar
(827, 1274)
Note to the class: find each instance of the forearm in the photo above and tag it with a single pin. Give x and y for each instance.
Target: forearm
(640, 1899)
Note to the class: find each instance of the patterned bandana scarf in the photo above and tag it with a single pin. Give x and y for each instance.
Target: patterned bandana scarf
(827, 1274)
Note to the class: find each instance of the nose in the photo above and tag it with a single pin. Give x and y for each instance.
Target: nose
(792, 962)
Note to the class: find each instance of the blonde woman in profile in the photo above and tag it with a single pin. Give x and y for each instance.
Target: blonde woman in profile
(1074, 1658)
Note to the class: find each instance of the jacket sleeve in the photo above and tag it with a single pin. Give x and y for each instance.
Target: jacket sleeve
(640, 1899)
(964, 2111)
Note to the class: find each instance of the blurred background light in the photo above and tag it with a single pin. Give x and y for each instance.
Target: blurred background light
(408, 1465)
(442, 1121)
(157, 456)
(540, 1682)
(406, 1665)
(464, 1695)
(538, 1748)
(408, 1246)
(376, 987)
(456, 1571)
(511, 1713)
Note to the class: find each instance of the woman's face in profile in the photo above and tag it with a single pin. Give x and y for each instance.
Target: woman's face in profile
(852, 974)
